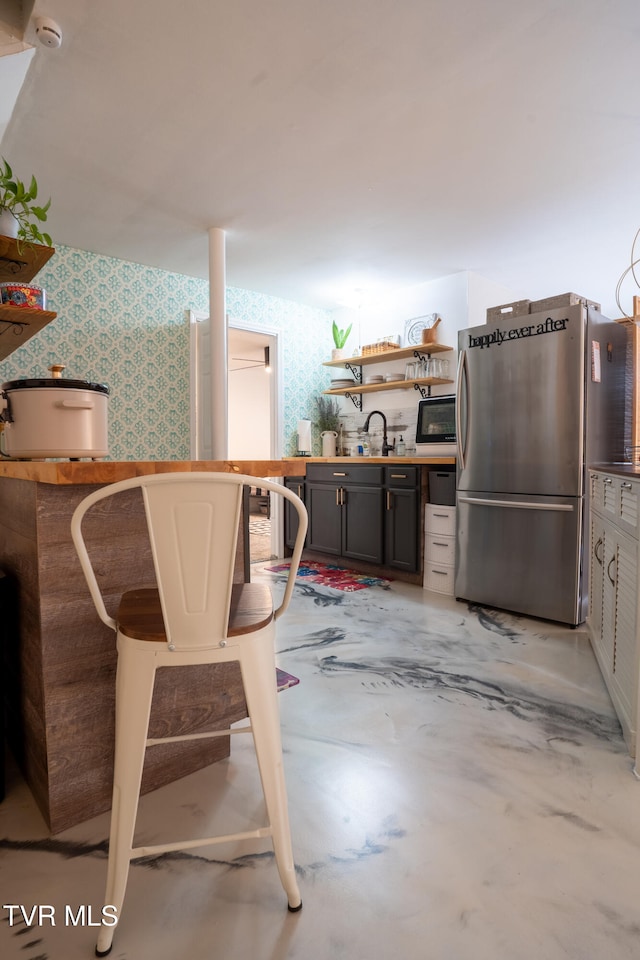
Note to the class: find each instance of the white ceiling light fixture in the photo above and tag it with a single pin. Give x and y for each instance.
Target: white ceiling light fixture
(48, 32)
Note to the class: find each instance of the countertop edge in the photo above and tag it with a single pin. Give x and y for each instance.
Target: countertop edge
(619, 469)
(66, 472)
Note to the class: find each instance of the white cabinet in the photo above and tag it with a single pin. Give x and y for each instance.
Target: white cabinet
(614, 589)
(439, 548)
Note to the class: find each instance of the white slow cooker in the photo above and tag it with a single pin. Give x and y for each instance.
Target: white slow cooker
(54, 417)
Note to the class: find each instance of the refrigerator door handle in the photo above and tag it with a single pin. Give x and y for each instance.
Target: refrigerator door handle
(516, 504)
(463, 376)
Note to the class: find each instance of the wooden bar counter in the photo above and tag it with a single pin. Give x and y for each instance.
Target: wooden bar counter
(59, 672)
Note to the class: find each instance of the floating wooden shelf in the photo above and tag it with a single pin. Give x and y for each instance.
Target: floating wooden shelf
(19, 324)
(21, 265)
(392, 385)
(388, 356)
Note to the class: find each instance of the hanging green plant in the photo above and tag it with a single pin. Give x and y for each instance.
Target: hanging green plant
(19, 201)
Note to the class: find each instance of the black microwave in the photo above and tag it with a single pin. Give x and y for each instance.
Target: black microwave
(436, 420)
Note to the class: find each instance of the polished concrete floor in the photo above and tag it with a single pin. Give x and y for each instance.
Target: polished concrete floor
(458, 787)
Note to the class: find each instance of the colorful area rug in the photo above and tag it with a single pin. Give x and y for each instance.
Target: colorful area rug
(285, 680)
(331, 575)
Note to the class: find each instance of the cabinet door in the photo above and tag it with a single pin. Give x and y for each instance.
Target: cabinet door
(401, 529)
(362, 525)
(609, 556)
(325, 518)
(625, 640)
(596, 581)
(613, 594)
(291, 521)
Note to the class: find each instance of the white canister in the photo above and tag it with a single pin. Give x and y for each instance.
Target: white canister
(329, 438)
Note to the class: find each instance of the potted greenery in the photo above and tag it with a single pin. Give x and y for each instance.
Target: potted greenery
(18, 209)
(339, 338)
(328, 422)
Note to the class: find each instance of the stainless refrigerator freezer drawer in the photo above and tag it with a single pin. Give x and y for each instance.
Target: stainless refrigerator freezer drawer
(521, 554)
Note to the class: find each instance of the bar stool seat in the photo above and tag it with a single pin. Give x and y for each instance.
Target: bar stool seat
(195, 615)
(139, 615)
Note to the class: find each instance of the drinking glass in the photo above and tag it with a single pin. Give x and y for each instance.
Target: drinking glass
(411, 370)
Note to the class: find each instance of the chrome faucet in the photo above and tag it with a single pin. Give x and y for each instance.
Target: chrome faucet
(386, 447)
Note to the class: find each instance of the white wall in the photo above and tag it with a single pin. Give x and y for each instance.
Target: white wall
(485, 293)
(460, 299)
(249, 414)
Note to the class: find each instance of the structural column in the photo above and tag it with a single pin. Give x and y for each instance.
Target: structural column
(218, 333)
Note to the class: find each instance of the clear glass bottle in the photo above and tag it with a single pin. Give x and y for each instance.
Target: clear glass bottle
(400, 447)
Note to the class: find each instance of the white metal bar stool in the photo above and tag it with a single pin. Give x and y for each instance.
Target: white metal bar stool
(197, 615)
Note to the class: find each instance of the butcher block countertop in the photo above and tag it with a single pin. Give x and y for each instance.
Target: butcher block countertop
(64, 472)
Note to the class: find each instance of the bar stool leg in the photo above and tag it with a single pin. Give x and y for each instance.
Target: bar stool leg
(134, 690)
(257, 662)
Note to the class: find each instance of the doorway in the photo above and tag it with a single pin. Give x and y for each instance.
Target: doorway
(253, 404)
(250, 372)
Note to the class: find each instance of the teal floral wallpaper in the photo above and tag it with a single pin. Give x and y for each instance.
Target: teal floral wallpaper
(125, 324)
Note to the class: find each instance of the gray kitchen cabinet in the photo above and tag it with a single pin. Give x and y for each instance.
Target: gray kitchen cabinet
(614, 589)
(291, 521)
(345, 511)
(365, 512)
(402, 517)
(325, 518)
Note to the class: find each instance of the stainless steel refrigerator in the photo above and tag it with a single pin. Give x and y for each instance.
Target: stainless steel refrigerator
(539, 397)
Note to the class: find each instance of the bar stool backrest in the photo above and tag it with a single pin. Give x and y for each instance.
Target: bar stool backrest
(193, 521)
(193, 529)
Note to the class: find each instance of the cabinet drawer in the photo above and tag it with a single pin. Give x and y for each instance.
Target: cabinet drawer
(630, 505)
(349, 473)
(439, 577)
(439, 519)
(401, 476)
(618, 498)
(439, 549)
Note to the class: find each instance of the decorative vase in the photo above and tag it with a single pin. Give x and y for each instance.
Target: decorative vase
(8, 224)
(337, 353)
(329, 438)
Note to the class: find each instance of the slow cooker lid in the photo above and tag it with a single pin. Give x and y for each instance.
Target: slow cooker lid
(56, 382)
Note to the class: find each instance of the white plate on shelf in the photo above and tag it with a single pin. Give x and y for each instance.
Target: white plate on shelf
(377, 379)
(393, 377)
(341, 384)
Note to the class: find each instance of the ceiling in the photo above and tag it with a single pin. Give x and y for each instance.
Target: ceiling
(361, 145)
